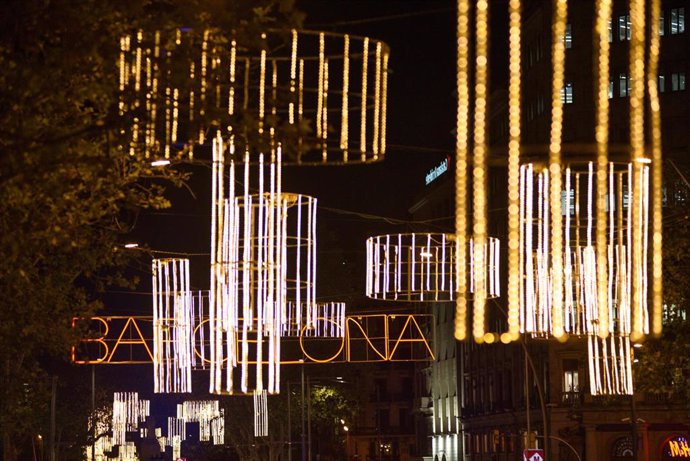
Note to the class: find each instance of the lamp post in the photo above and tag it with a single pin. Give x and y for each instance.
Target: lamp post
(40, 447)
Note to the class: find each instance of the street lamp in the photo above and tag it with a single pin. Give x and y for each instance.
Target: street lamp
(39, 437)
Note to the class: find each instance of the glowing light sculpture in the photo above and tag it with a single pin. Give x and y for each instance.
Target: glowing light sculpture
(422, 267)
(128, 412)
(218, 428)
(173, 326)
(205, 412)
(263, 252)
(102, 444)
(557, 258)
(248, 284)
(127, 452)
(260, 413)
(582, 312)
(176, 431)
(610, 365)
(322, 93)
(315, 320)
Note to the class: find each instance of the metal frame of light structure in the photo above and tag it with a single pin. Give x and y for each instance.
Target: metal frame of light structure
(286, 81)
(645, 165)
(422, 267)
(610, 365)
(248, 274)
(128, 412)
(326, 320)
(582, 311)
(260, 413)
(173, 326)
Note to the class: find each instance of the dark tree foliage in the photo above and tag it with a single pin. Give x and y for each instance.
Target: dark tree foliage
(68, 194)
(663, 366)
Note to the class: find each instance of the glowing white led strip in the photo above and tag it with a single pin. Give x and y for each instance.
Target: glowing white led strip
(260, 414)
(326, 320)
(610, 365)
(173, 326)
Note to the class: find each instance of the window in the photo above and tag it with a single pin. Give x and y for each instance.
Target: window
(567, 94)
(571, 380)
(568, 37)
(662, 24)
(624, 27)
(383, 418)
(403, 419)
(610, 89)
(623, 85)
(661, 83)
(530, 56)
(678, 81)
(540, 104)
(677, 20)
(568, 202)
(538, 54)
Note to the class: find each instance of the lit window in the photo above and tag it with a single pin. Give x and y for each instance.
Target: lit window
(662, 24)
(623, 85)
(677, 20)
(571, 381)
(662, 84)
(624, 27)
(568, 37)
(568, 202)
(610, 89)
(567, 94)
(678, 81)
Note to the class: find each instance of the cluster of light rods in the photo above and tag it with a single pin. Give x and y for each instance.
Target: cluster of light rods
(607, 267)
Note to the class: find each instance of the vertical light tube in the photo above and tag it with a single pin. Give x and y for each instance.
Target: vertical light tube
(656, 186)
(363, 110)
(558, 63)
(637, 76)
(601, 133)
(480, 165)
(344, 109)
(514, 109)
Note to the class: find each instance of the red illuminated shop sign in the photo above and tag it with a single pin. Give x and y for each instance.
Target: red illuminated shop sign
(676, 448)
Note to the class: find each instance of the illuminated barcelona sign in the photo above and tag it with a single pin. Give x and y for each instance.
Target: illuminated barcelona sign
(368, 338)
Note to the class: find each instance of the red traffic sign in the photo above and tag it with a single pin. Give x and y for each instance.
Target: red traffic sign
(533, 454)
